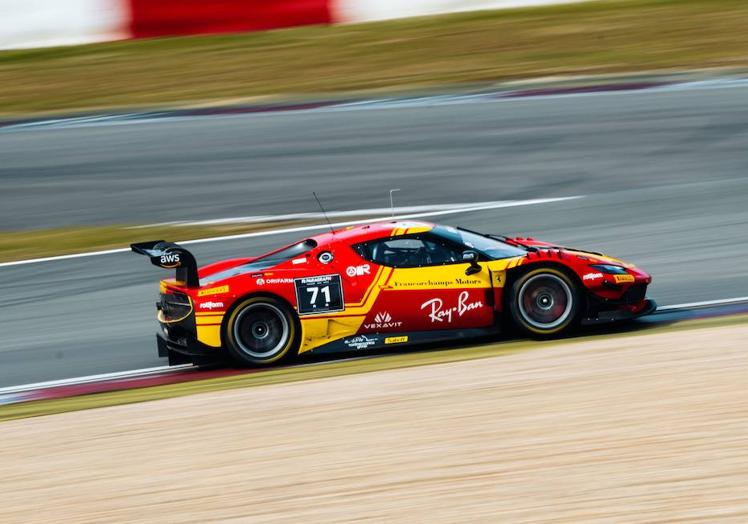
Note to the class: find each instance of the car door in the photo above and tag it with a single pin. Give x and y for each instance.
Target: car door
(427, 287)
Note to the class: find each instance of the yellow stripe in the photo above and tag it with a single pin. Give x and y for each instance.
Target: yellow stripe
(316, 331)
(374, 282)
(319, 331)
(201, 321)
(420, 229)
(209, 335)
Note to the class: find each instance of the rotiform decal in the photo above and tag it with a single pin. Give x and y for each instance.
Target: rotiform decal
(211, 305)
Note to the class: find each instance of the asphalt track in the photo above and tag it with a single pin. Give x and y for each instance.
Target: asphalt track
(663, 174)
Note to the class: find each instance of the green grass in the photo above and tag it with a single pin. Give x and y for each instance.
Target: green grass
(607, 36)
(320, 371)
(23, 245)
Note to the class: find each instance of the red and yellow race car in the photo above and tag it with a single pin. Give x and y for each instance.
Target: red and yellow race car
(382, 285)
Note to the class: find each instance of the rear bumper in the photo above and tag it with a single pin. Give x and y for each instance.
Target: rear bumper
(181, 346)
(177, 337)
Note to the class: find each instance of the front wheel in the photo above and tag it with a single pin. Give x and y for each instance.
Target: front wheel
(544, 302)
(261, 331)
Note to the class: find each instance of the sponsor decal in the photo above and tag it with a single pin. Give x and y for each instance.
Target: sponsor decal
(322, 279)
(360, 342)
(213, 291)
(624, 279)
(383, 320)
(438, 313)
(211, 305)
(170, 258)
(592, 276)
(358, 271)
(395, 340)
(320, 294)
(440, 283)
(296, 261)
(263, 281)
(468, 281)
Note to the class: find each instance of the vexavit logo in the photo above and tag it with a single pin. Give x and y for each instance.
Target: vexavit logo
(383, 320)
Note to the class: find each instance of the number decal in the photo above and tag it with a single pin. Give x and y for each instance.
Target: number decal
(313, 290)
(322, 294)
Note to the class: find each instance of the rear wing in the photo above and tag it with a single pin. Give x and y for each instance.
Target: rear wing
(170, 256)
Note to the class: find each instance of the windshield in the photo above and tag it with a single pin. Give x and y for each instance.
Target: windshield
(493, 248)
(268, 261)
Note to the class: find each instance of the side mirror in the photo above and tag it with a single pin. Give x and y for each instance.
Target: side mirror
(471, 257)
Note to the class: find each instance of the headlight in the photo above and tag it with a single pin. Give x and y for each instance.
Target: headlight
(609, 269)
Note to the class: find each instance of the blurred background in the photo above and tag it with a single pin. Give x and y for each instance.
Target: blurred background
(618, 126)
(614, 125)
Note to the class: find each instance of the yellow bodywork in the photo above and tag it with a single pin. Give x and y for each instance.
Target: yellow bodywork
(318, 330)
(209, 328)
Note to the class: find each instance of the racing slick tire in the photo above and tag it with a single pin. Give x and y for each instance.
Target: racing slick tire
(260, 331)
(545, 302)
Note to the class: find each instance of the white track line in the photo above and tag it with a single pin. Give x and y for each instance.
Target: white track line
(137, 373)
(477, 207)
(387, 103)
(705, 303)
(384, 212)
(118, 375)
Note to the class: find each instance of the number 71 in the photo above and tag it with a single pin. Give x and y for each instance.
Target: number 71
(315, 291)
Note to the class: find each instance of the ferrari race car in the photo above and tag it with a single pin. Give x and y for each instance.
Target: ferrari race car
(383, 285)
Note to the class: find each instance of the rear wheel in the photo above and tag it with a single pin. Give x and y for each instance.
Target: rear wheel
(261, 331)
(544, 302)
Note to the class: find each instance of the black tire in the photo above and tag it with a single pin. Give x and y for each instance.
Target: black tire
(545, 302)
(261, 331)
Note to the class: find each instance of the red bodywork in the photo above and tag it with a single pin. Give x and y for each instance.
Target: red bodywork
(378, 304)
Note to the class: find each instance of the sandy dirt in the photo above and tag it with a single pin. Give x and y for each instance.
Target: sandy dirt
(652, 428)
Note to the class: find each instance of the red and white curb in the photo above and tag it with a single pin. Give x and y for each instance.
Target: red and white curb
(162, 375)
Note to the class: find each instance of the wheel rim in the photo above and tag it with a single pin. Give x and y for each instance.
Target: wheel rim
(545, 301)
(261, 330)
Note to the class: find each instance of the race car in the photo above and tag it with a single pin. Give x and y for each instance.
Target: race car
(383, 285)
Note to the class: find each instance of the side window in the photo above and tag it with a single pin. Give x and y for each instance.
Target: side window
(408, 252)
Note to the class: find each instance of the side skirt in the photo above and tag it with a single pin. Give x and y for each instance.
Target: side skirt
(392, 340)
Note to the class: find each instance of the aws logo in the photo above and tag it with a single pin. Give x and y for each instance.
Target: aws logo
(170, 260)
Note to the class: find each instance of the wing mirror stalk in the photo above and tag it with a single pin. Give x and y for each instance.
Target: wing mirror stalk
(471, 257)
